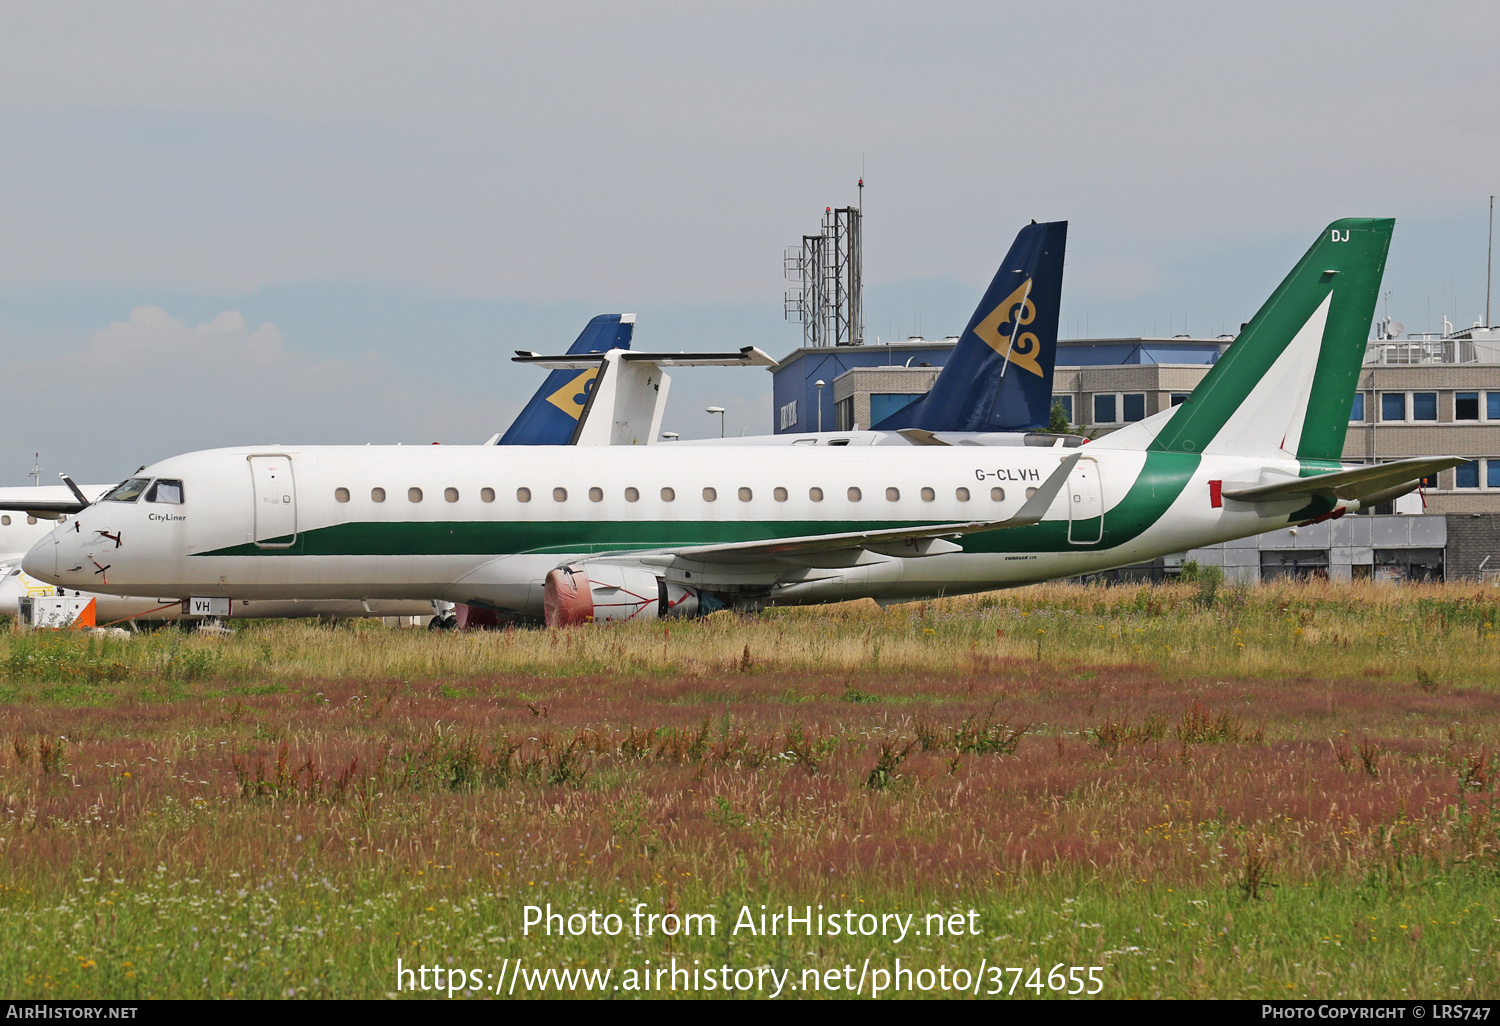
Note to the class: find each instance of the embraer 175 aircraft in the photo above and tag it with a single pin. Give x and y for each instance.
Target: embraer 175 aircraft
(635, 532)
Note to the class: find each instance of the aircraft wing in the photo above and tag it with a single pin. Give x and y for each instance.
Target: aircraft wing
(1356, 483)
(1031, 512)
(50, 501)
(748, 356)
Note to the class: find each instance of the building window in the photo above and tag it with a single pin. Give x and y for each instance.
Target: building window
(1492, 473)
(843, 414)
(1392, 405)
(883, 405)
(1424, 406)
(1178, 398)
(1466, 475)
(1357, 411)
(789, 415)
(1466, 406)
(1104, 409)
(1492, 406)
(1066, 402)
(1134, 404)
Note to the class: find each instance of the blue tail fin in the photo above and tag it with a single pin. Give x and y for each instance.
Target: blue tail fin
(999, 376)
(552, 415)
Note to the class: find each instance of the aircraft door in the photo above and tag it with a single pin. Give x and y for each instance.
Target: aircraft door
(1085, 504)
(275, 501)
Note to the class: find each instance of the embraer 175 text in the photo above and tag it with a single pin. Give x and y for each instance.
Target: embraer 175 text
(634, 532)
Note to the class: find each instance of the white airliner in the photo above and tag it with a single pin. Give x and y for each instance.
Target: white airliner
(606, 533)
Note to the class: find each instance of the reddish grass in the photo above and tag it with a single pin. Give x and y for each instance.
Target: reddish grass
(760, 777)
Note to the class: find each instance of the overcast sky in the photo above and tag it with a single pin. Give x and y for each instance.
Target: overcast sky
(328, 222)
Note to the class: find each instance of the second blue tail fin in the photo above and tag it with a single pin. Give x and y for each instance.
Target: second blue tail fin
(999, 376)
(551, 416)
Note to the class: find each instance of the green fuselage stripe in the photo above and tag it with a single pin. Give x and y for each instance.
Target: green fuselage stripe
(1160, 482)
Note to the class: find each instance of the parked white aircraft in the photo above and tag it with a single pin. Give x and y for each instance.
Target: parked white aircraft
(634, 532)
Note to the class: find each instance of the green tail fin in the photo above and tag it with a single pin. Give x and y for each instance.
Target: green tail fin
(1286, 385)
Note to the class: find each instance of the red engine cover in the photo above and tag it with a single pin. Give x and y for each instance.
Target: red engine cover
(567, 600)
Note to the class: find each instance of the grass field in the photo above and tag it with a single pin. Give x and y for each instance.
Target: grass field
(1272, 792)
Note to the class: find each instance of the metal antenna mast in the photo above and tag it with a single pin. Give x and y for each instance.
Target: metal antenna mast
(1489, 266)
(829, 299)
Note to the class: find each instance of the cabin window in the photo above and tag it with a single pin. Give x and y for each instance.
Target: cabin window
(486, 495)
(997, 494)
(815, 494)
(166, 491)
(377, 494)
(854, 495)
(779, 494)
(596, 494)
(450, 494)
(31, 520)
(710, 494)
(523, 494)
(5, 521)
(746, 495)
(961, 494)
(928, 495)
(414, 495)
(341, 495)
(1030, 492)
(632, 495)
(667, 495)
(127, 491)
(893, 495)
(559, 495)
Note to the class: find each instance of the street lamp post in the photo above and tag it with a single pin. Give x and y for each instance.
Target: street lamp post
(820, 383)
(720, 411)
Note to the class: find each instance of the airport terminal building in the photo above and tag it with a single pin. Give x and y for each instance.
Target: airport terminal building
(1424, 395)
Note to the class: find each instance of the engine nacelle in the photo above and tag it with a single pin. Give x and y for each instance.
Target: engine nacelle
(604, 593)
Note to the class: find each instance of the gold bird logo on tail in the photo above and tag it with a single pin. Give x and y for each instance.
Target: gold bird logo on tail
(1001, 330)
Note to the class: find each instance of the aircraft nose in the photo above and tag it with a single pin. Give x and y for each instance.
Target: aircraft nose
(41, 561)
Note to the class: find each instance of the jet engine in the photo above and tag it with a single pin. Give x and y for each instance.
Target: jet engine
(603, 593)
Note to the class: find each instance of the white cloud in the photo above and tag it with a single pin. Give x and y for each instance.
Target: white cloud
(153, 385)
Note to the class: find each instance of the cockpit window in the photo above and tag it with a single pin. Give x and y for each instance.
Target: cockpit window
(127, 491)
(165, 491)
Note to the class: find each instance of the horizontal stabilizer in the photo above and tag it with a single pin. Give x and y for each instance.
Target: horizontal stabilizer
(740, 552)
(749, 356)
(1357, 483)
